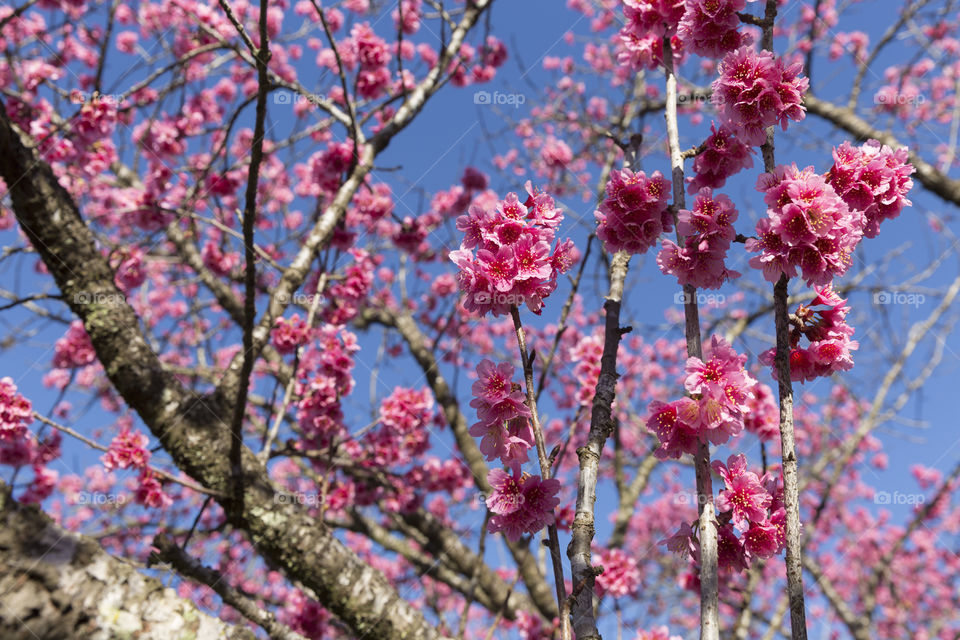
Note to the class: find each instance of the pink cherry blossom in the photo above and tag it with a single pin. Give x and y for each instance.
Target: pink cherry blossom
(127, 449)
(522, 504)
(150, 493)
(621, 575)
(289, 333)
(710, 28)
(829, 339)
(721, 390)
(634, 212)
(723, 156)
(872, 178)
(744, 496)
(74, 349)
(807, 226)
(660, 633)
(708, 231)
(513, 264)
(15, 411)
(756, 90)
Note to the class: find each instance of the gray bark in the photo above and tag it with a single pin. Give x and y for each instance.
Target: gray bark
(55, 584)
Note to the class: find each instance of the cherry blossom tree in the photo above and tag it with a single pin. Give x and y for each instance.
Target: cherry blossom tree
(634, 355)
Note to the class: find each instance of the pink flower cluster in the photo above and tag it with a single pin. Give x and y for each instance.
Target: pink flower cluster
(647, 22)
(42, 486)
(660, 633)
(345, 297)
(289, 333)
(513, 263)
(403, 433)
(755, 507)
(74, 349)
(656, 17)
(621, 574)
(521, 503)
(828, 334)
(763, 416)
(504, 424)
(872, 178)
(749, 504)
(127, 449)
(807, 226)
(325, 377)
(634, 212)
(150, 493)
(19, 447)
(756, 90)
(370, 52)
(15, 411)
(710, 28)
(708, 232)
(723, 156)
(719, 390)
(131, 272)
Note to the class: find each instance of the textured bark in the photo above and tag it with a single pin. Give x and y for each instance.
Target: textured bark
(168, 551)
(791, 489)
(192, 429)
(56, 584)
(601, 426)
(709, 579)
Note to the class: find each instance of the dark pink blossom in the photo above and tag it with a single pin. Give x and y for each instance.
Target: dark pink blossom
(513, 264)
(723, 156)
(731, 555)
(74, 349)
(756, 90)
(150, 493)
(127, 449)
(521, 504)
(874, 179)
(744, 496)
(710, 28)
(720, 391)
(708, 231)
(15, 411)
(829, 339)
(621, 574)
(808, 226)
(289, 333)
(634, 212)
